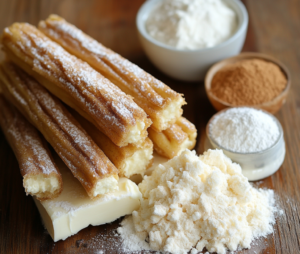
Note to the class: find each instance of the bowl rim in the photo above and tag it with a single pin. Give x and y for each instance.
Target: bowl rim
(242, 56)
(207, 131)
(150, 4)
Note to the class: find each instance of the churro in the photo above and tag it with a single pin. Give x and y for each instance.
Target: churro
(161, 103)
(172, 141)
(77, 84)
(130, 159)
(71, 142)
(41, 177)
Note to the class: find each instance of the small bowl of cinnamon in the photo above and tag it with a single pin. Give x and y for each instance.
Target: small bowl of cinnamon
(249, 79)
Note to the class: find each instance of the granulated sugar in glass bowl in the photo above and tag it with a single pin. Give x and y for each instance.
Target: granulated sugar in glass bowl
(251, 137)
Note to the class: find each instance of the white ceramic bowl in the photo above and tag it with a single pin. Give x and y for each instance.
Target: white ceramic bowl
(190, 65)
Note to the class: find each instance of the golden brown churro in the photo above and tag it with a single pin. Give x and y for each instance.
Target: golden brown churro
(161, 103)
(41, 177)
(172, 141)
(77, 84)
(71, 142)
(130, 159)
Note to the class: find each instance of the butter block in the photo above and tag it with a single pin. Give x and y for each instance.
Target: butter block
(73, 210)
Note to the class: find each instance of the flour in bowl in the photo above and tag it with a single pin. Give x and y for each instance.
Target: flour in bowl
(191, 24)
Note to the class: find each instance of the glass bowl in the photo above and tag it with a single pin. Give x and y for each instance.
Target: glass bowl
(255, 165)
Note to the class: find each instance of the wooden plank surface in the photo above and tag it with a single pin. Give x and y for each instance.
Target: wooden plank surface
(274, 29)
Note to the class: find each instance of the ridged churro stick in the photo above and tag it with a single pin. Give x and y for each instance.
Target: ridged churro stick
(71, 142)
(130, 159)
(160, 102)
(77, 84)
(174, 140)
(41, 177)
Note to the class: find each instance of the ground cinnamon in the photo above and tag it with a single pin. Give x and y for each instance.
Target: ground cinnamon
(248, 82)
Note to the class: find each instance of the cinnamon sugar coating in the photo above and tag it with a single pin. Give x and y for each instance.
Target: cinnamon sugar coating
(71, 142)
(77, 84)
(30, 148)
(161, 103)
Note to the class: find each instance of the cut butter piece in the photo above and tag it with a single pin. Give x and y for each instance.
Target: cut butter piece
(73, 210)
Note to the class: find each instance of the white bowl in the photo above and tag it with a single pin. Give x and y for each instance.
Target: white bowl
(190, 65)
(255, 165)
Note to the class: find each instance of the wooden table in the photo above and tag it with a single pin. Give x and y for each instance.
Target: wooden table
(274, 29)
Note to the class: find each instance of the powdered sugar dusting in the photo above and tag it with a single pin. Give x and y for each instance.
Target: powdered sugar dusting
(62, 131)
(109, 241)
(139, 81)
(132, 241)
(93, 92)
(142, 81)
(30, 139)
(77, 135)
(26, 138)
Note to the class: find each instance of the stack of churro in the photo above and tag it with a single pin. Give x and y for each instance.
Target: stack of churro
(100, 129)
(170, 133)
(71, 142)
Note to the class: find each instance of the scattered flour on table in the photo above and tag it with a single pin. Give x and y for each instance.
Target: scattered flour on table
(131, 240)
(191, 203)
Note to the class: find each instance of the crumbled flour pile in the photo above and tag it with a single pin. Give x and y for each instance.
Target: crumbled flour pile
(193, 202)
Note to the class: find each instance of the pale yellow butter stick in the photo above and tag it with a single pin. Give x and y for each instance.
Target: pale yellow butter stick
(73, 210)
(75, 147)
(41, 177)
(160, 102)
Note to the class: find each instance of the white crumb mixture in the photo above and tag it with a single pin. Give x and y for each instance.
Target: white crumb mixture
(192, 202)
(192, 24)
